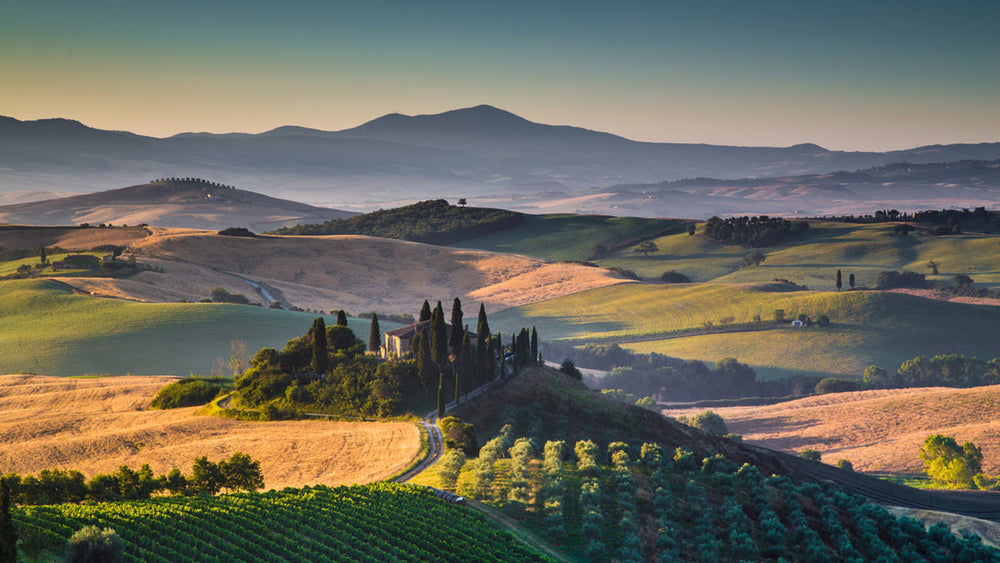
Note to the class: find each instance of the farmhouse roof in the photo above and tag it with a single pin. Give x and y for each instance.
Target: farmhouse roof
(408, 331)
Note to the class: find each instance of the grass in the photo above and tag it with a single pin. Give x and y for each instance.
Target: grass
(868, 327)
(567, 236)
(95, 425)
(47, 329)
(11, 266)
(813, 258)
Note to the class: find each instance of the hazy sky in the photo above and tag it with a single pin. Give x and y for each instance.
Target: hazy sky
(847, 75)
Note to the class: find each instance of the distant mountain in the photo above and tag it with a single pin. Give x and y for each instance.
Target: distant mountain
(190, 203)
(462, 153)
(903, 186)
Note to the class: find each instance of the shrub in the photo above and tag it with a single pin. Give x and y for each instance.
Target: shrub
(811, 455)
(835, 385)
(709, 422)
(237, 232)
(90, 544)
(189, 392)
(845, 465)
(893, 279)
(672, 276)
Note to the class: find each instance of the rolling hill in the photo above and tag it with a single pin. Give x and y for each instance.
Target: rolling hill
(195, 204)
(46, 328)
(470, 152)
(710, 322)
(878, 431)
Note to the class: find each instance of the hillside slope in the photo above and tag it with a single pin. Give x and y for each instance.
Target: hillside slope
(186, 204)
(354, 273)
(879, 431)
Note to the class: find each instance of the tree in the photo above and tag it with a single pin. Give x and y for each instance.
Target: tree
(374, 336)
(483, 325)
(241, 473)
(845, 464)
(876, 378)
(691, 229)
(850, 280)
(646, 247)
(933, 267)
(8, 536)
(341, 318)
(90, 544)
(462, 202)
(439, 338)
(948, 463)
(839, 282)
(320, 354)
(754, 258)
(425, 312)
(534, 345)
(709, 422)
(570, 369)
(41, 255)
(456, 339)
(206, 478)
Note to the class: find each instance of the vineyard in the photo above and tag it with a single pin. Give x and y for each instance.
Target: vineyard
(631, 503)
(377, 522)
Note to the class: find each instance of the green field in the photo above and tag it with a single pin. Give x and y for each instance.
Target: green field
(813, 258)
(378, 522)
(567, 236)
(868, 327)
(48, 330)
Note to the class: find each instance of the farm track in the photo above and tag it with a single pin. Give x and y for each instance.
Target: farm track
(435, 446)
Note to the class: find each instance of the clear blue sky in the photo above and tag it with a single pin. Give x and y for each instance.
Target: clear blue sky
(846, 75)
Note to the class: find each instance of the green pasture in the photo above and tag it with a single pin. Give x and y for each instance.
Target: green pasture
(684, 321)
(567, 236)
(813, 258)
(46, 329)
(11, 266)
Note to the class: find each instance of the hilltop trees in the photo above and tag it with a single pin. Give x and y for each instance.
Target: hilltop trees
(748, 231)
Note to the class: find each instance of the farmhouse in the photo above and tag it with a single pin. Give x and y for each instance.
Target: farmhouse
(397, 342)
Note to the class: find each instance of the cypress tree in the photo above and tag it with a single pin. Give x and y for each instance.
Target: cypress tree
(374, 335)
(320, 356)
(41, 258)
(8, 536)
(456, 339)
(341, 318)
(440, 394)
(439, 338)
(534, 346)
(425, 312)
(425, 364)
(462, 367)
(839, 283)
(483, 326)
(523, 347)
(850, 280)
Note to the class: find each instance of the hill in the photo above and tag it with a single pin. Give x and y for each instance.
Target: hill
(46, 328)
(380, 522)
(432, 222)
(878, 431)
(354, 273)
(186, 203)
(710, 322)
(94, 425)
(470, 152)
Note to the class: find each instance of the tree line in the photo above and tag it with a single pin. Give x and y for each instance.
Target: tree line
(946, 370)
(56, 486)
(432, 222)
(751, 231)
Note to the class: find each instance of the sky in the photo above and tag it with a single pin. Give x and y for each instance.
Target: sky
(849, 75)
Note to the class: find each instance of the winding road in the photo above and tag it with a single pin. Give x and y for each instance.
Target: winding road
(435, 443)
